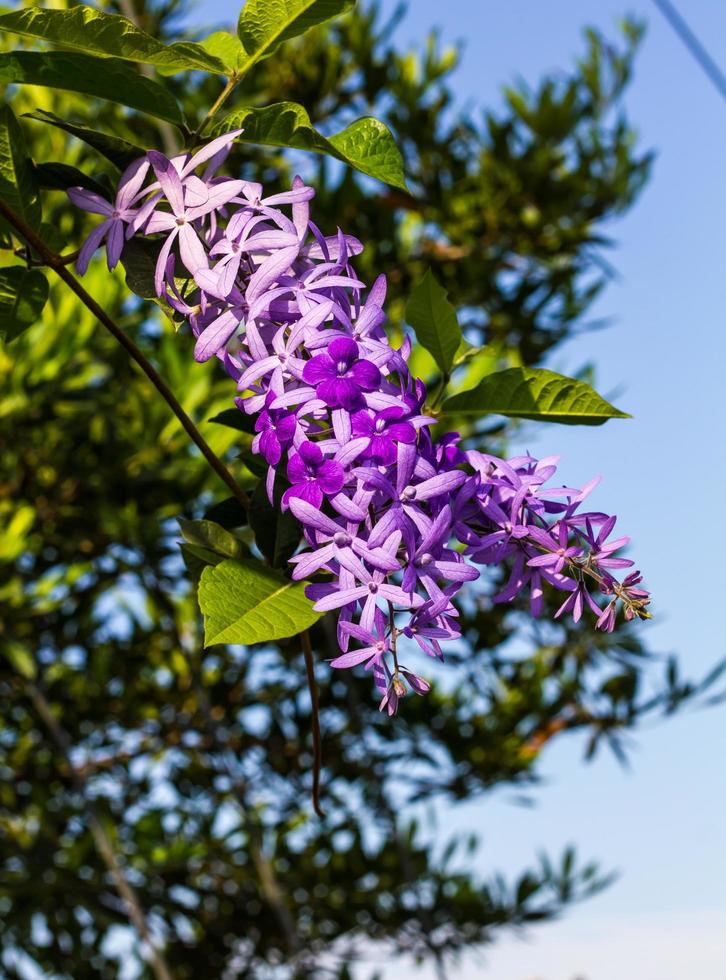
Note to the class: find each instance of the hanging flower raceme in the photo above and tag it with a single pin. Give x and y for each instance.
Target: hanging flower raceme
(394, 524)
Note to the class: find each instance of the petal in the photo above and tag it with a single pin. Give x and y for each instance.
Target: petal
(343, 349)
(308, 490)
(216, 335)
(115, 243)
(330, 477)
(211, 149)
(130, 184)
(340, 598)
(354, 658)
(191, 250)
(340, 393)
(366, 375)
(169, 181)
(269, 272)
(91, 244)
(319, 368)
(90, 201)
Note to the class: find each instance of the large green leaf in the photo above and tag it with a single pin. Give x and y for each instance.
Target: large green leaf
(265, 24)
(434, 321)
(23, 294)
(245, 602)
(107, 35)
(534, 393)
(104, 78)
(18, 183)
(120, 152)
(367, 144)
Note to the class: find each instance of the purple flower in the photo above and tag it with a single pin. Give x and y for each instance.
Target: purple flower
(384, 429)
(340, 376)
(187, 206)
(118, 215)
(275, 428)
(312, 475)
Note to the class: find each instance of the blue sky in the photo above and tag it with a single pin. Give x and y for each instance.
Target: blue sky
(661, 823)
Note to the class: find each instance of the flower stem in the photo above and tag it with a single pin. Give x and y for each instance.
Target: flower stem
(57, 264)
(222, 98)
(315, 720)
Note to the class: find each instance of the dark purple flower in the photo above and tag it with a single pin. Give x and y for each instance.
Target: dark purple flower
(340, 376)
(275, 428)
(383, 429)
(312, 475)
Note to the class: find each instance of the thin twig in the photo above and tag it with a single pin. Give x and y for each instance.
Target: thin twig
(56, 263)
(222, 98)
(101, 839)
(314, 720)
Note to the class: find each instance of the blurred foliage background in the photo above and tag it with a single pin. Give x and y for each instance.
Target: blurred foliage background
(197, 763)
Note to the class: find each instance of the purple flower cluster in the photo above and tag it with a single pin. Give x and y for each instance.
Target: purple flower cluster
(394, 521)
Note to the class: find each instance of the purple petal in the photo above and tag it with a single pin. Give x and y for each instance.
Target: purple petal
(343, 349)
(130, 184)
(269, 272)
(318, 369)
(191, 249)
(115, 243)
(330, 477)
(216, 335)
(340, 393)
(91, 244)
(90, 201)
(169, 181)
(365, 374)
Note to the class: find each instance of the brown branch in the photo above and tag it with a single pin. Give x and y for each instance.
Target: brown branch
(103, 844)
(314, 720)
(57, 264)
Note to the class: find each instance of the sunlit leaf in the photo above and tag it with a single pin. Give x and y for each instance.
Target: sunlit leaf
(367, 144)
(534, 393)
(109, 35)
(246, 602)
(103, 78)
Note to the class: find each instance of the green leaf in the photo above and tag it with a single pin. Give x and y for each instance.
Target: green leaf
(207, 534)
(534, 393)
(57, 176)
(107, 35)
(233, 418)
(139, 261)
(226, 47)
(265, 24)
(277, 532)
(245, 602)
(23, 294)
(18, 184)
(120, 152)
(367, 144)
(434, 321)
(104, 78)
